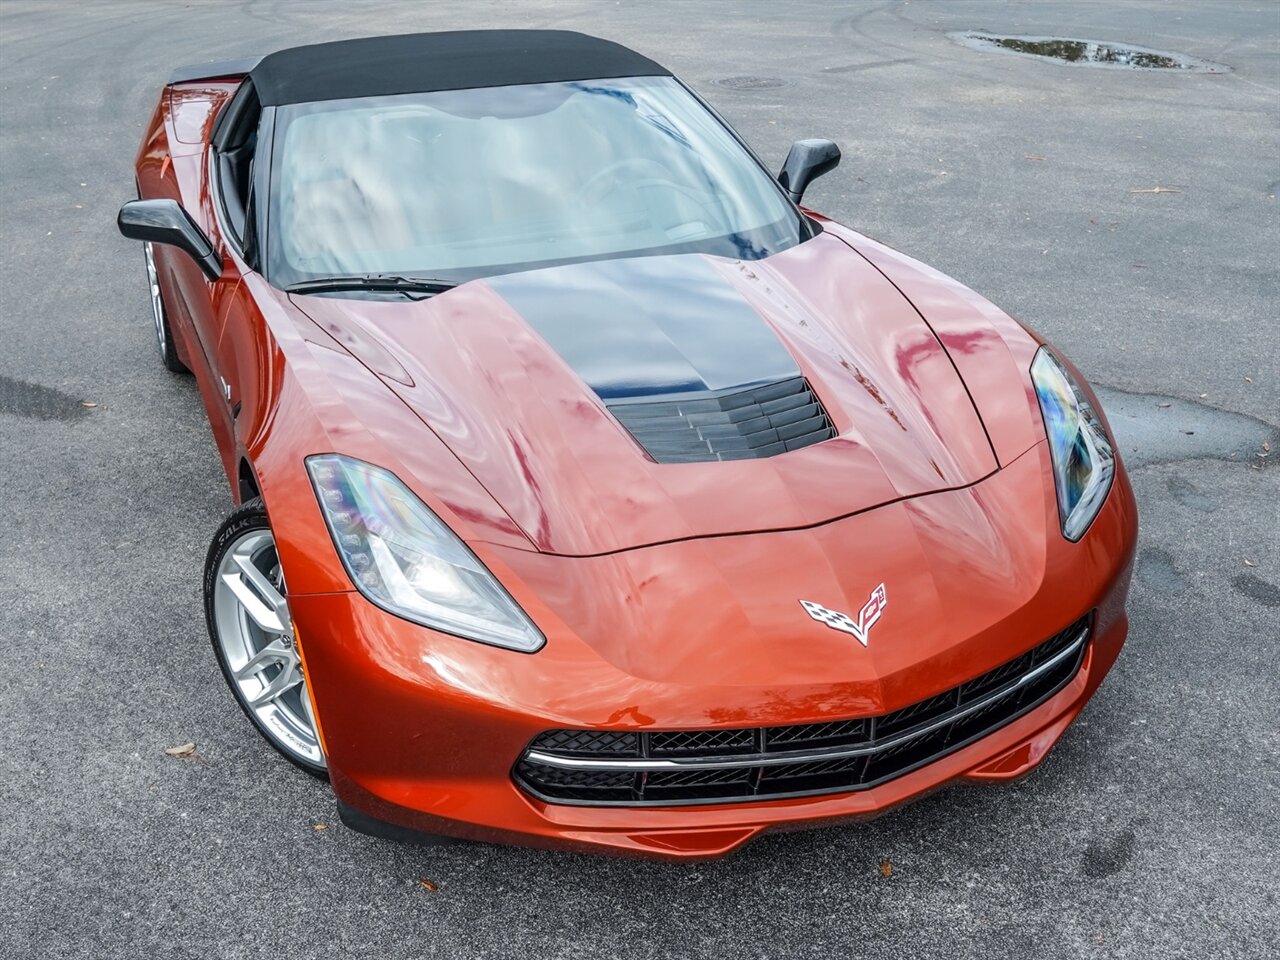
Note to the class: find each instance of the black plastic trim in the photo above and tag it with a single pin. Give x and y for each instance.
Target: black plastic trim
(373, 827)
(238, 120)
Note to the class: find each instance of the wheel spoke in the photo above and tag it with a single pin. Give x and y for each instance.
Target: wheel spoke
(259, 612)
(260, 582)
(275, 652)
(261, 600)
(284, 681)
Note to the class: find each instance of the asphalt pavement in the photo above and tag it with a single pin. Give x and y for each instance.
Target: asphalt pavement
(1150, 831)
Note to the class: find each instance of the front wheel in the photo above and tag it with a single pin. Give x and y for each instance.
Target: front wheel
(248, 614)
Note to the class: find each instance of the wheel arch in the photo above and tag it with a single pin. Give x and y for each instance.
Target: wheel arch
(247, 487)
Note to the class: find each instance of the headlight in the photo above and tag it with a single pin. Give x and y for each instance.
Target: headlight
(1084, 463)
(403, 558)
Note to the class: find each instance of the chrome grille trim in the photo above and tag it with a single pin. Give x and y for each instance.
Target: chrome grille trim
(800, 756)
(648, 768)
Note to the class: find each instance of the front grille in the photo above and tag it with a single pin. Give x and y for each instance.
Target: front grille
(653, 768)
(748, 424)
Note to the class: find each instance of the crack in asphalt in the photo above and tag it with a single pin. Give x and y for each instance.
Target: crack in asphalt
(1153, 429)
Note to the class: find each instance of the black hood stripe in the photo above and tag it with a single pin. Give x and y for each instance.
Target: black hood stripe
(681, 360)
(649, 327)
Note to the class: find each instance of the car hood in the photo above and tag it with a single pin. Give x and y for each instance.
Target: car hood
(527, 378)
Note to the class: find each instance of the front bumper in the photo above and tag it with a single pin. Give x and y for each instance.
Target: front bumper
(423, 730)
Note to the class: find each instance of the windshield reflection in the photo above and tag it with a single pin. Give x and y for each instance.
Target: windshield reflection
(465, 183)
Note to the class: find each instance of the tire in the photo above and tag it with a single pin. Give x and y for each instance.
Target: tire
(247, 613)
(160, 316)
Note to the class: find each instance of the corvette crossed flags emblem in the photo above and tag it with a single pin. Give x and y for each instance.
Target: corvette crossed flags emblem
(836, 620)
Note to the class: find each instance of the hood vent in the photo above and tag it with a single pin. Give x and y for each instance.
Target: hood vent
(729, 425)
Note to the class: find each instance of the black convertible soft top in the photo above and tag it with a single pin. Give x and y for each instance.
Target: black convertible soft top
(457, 60)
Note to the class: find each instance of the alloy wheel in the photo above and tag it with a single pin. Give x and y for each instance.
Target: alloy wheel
(254, 632)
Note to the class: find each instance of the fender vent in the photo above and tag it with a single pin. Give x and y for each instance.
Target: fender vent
(742, 425)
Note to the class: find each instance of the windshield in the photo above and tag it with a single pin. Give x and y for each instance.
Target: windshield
(466, 183)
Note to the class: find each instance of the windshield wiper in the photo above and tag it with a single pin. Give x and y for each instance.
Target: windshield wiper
(373, 281)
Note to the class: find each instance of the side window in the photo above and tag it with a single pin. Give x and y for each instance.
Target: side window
(235, 141)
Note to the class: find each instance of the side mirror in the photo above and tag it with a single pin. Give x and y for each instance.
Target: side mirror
(164, 221)
(806, 162)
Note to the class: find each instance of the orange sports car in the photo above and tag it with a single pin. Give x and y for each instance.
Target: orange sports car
(592, 492)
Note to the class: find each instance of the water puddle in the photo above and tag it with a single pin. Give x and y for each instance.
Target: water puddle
(23, 399)
(1092, 53)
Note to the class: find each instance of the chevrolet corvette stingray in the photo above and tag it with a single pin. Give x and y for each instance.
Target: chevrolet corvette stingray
(591, 491)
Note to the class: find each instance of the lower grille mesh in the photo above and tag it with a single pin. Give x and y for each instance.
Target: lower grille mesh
(650, 768)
